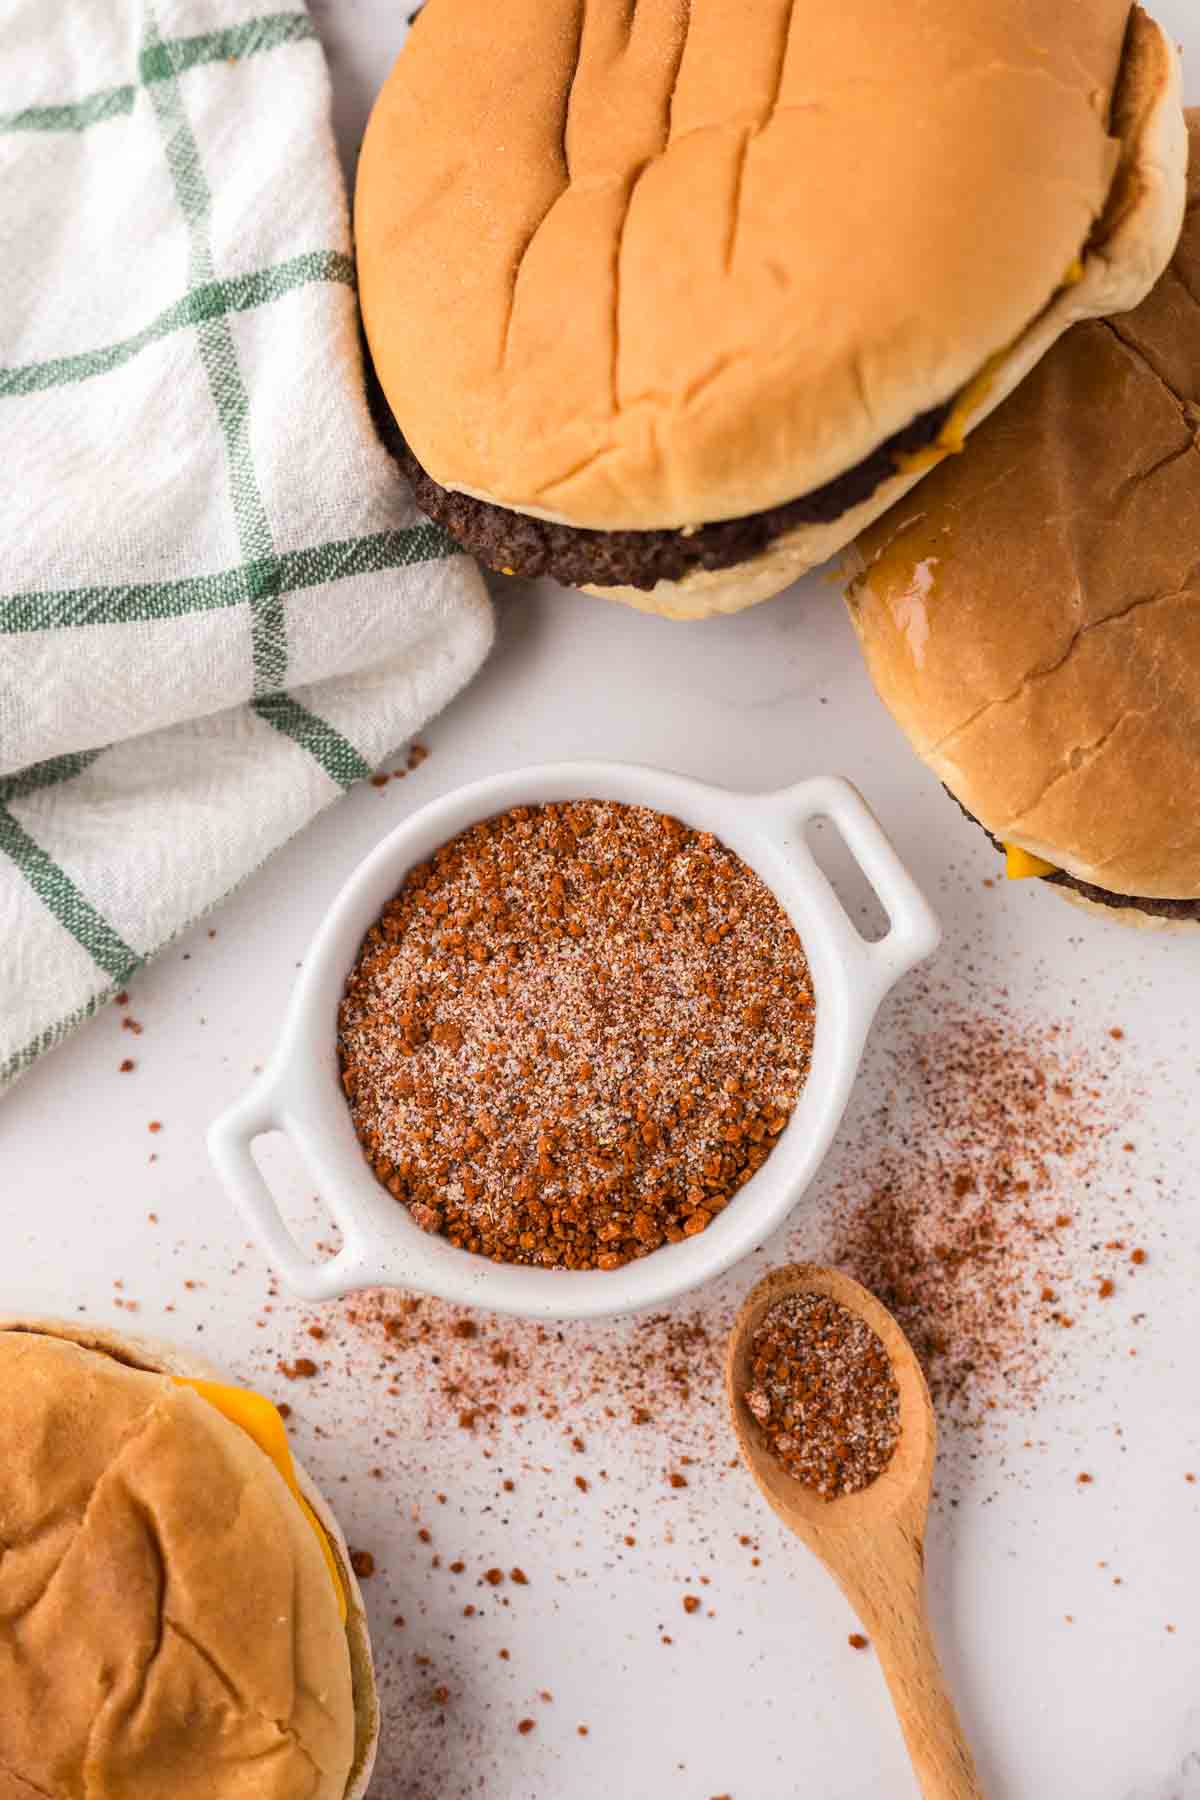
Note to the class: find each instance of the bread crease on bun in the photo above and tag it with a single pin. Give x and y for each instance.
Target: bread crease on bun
(632, 276)
(1031, 616)
(168, 1623)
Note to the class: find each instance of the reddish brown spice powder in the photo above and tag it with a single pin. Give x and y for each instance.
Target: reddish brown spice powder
(575, 1034)
(948, 1203)
(824, 1394)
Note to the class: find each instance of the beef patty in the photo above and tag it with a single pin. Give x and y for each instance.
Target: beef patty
(1179, 910)
(521, 545)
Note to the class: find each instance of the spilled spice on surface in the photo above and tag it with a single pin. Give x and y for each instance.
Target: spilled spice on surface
(823, 1394)
(574, 1034)
(951, 1206)
(976, 1131)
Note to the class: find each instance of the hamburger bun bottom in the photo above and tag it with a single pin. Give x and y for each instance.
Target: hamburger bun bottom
(1130, 916)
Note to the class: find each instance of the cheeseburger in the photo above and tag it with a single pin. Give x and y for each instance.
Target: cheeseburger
(178, 1614)
(669, 300)
(1032, 615)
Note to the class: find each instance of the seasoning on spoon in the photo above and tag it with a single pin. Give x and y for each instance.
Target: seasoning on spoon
(574, 1034)
(824, 1394)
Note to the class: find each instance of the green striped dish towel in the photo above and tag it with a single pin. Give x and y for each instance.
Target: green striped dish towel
(218, 605)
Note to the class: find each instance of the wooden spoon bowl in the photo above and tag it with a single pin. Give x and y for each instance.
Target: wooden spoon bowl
(872, 1542)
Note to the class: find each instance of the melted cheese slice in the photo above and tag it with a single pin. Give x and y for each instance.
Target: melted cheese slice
(1022, 865)
(257, 1417)
(951, 440)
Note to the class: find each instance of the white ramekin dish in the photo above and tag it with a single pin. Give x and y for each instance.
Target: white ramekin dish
(300, 1092)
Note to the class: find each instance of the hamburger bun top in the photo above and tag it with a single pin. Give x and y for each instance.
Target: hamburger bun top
(168, 1625)
(654, 266)
(1032, 615)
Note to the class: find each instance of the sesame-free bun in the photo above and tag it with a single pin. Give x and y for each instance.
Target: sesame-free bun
(656, 266)
(168, 1626)
(1032, 615)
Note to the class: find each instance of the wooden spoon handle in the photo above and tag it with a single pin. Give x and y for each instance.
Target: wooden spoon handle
(941, 1760)
(889, 1597)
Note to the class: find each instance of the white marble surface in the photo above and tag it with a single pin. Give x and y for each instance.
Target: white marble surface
(764, 1701)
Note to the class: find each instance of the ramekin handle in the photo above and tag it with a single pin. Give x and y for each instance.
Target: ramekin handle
(229, 1141)
(913, 929)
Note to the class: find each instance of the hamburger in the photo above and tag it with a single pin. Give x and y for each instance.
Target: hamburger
(178, 1614)
(1031, 617)
(669, 300)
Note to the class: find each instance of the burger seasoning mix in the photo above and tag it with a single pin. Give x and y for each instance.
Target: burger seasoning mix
(824, 1394)
(574, 1034)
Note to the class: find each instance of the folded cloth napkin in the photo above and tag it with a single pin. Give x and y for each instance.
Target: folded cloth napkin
(218, 605)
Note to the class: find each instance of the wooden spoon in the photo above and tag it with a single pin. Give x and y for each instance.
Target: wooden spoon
(871, 1542)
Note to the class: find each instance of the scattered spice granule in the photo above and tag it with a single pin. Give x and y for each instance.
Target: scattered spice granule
(424, 1534)
(1189, 1477)
(1084, 1479)
(154, 1125)
(363, 1564)
(441, 1695)
(316, 1331)
(301, 1370)
(380, 781)
(1049, 1294)
(284, 1410)
(582, 1730)
(520, 1577)
(1117, 1033)
(456, 1568)
(503, 1655)
(665, 1639)
(690, 1603)
(857, 1641)
(493, 1577)
(545, 1695)
(1137, 1256)
(121, 999)
(131, 1025)
(574, 1034)
(468, 1612)
(581, 1483)
(1106, 1289)
(126, 1065)
(525, 1726)
(676, 1479)
(823, 1394)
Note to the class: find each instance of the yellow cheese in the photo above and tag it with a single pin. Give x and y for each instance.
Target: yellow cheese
(951, 440)
(259, 1420)
(1020, 864)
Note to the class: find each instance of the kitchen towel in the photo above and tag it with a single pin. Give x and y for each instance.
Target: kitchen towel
(218, 604)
